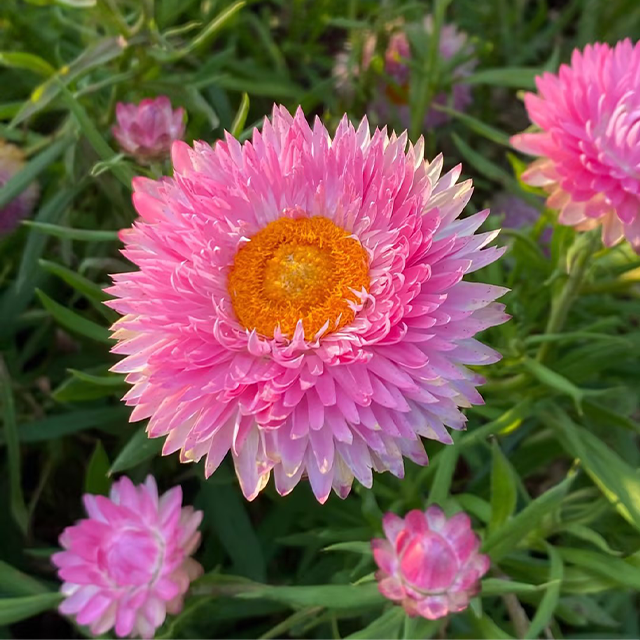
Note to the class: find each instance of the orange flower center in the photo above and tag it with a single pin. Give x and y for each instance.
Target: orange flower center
(298, 269)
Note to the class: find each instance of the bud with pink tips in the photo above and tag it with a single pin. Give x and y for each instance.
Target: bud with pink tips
(429, 563)
(147, 130)
(129, 563)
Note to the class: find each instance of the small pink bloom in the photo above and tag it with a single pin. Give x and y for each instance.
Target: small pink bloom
(11, 162)
(129, 563)
(147, 130)
(300, 304)
(428, 563)
(589, 140)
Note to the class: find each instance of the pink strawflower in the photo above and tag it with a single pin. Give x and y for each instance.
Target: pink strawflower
(147, 130)
(11, 162)
(589, 143)
(393, 95)
(129, 563)
(300, 303)
(428, 563)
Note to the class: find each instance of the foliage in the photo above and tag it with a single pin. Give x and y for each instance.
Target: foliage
(548, 468)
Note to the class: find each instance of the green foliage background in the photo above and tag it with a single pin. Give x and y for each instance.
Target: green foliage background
(548, 468)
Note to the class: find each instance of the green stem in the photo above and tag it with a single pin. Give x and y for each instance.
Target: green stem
(561, 304)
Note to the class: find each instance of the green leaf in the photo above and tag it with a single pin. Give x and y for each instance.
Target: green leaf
(363, 548)
(27, 61)
(21, 180)
(549, 602)
(503, 489)
(617, 480)
(487, 628)
(515, 77)
(18, 506)
(96, 480)
(241, 117)
(226, 514)
(419, 627)
(68, 233)
(206, 36)
(139, 449)
(614, 569)
(75, 390)
(388, 625)
(71, 422)
(589, 535)
(93, 135)
(483, 165)
(498, 587)
(513, 532)
(477, 126)
(447, 461)
(554, 380)
(16, 583)
(112, 380)
(15, 609)
(72, 321)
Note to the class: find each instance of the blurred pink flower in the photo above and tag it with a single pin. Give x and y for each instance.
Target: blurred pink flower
(589, 143)
(11, 162)
(129, 563)
(393, 98)
(428, 563)
(300, 303)
(147, 130)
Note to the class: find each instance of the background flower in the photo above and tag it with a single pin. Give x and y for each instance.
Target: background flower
(589, 141)
(147, 130)
(128, 563)
(300, 302)
(428, 563)
(12, 161)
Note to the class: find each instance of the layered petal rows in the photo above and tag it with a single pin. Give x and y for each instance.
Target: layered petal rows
(346, 400)
(428, 563)
(589, 143)
(128, 563)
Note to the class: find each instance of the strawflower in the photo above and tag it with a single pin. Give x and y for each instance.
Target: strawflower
(11, 162)
(300, 303)
(128, 564)
(589, 140)
(429, 564)
(147, 130)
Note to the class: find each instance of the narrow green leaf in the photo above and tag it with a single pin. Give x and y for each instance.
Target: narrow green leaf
(75, 390)
(487, 628)
(72, 321)
(363, 548)
(27, 61)
(441, 485)
(139, 449)
(549, 602)
(503, 489)
(68, 233)
(71, 422)
(388, 625)
(515, 77)
(498, 587)
(483, 165)
(18, 506)
(616, 569)
(112, 380)
(554, 380)
(16, 583)
(478, 126)
(617, 480)
(206, 36)
(93, 135)
(21, 180)
(419, 627)
(241, 117)
(96, 480)
(589, 535)
(81, 284)
(226, 514)
(15, 609)
(513, 532)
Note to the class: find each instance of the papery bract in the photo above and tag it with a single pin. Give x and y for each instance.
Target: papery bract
(300, 303)
(589, 143)
(128, 563)
(428, 563)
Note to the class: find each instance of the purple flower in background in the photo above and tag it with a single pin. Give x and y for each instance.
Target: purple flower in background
(429, 563)
(518, 213)
(11, 162)
(147, 130)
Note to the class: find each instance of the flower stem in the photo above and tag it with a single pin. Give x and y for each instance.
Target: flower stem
(561, 304)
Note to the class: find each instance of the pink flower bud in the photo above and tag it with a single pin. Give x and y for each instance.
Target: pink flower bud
(129, 563)
(147, 130)
(428, 563)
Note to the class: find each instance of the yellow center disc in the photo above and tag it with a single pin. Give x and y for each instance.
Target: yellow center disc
(298, 269)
